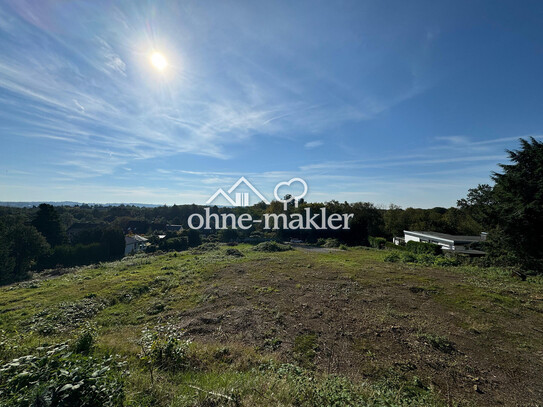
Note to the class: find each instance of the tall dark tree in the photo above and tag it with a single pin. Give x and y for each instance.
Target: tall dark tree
(26, 245)
(47, 222)
(518, 204)
(7, 262)
(112, 243)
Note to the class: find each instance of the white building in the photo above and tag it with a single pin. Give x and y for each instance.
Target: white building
(459, 244)
(134, 244)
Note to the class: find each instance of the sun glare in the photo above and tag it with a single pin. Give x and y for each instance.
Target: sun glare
(158, 61)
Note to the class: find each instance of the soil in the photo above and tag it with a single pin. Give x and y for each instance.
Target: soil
(372, 319)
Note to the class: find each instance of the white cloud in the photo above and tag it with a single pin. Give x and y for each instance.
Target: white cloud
(313, 144)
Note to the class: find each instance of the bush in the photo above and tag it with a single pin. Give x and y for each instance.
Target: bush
(271, 247)
(392, 246)
(205, 247)
(320, 241)
(61, 378)
(407, 257)
(446, 261)
(426, 259)
(423, 248)
(392, 258)
(343, 247)
(330, 243)
(164, 350)
(175, 243)
(377, 242)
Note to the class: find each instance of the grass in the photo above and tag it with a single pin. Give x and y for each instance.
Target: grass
(295, 327)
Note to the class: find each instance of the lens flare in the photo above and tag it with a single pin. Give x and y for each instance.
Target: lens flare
(158, 61)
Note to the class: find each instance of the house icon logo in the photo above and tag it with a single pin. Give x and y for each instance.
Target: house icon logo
(240, 198)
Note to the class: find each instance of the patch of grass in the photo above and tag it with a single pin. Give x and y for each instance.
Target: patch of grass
(305, 349)
(265, 290)
(271, 247)
(120, 298)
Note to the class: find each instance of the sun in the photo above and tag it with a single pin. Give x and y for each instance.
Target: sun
(158, 61)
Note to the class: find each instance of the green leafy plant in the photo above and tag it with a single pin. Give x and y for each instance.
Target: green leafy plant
(61, 378)
(377, 242)
(392, 258)
(84, 342)
(164, 348)
(330, 243)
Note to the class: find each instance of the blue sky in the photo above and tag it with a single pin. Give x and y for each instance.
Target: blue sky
(399, 102)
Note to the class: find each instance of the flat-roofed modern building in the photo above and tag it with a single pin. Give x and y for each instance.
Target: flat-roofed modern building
(456, 243)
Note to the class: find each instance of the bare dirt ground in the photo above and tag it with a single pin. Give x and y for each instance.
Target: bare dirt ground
(474, 340)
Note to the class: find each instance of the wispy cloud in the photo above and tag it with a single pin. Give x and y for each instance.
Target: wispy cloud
(313, 144)
(268, 92)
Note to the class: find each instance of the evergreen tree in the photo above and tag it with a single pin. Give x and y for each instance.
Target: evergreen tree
(26, 246)
(47, 222)
(518, 205)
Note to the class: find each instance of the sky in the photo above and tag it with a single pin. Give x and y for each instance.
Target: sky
(410, 103)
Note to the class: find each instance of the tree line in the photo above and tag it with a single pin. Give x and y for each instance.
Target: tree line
(510, 210)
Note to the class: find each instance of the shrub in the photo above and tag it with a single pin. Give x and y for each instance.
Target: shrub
(331, 243)
(377, 242)
(164, 350)
(176, 243)
(426, 259)
(320, 241)
(233, 252)
(407, 257)
(423, 248)
(392, 246)
(343, 247)
(61, 378)
(446, 261)
(271, 247)
(392, 257)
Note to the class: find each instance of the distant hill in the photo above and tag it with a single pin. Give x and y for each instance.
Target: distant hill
(71, 203)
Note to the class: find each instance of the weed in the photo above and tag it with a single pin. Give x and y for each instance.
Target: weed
(61, 378)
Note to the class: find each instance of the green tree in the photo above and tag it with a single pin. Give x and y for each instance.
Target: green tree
(7, 262)
(228, 235)
(112, 243)
(47, 222)
(26, 245)
(518, 205)
(479, 204)
(194, 238)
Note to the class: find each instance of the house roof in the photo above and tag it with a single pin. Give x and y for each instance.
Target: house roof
(134, 239)
(444, 237)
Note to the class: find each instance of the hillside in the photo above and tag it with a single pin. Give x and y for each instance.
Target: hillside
(300, 327)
